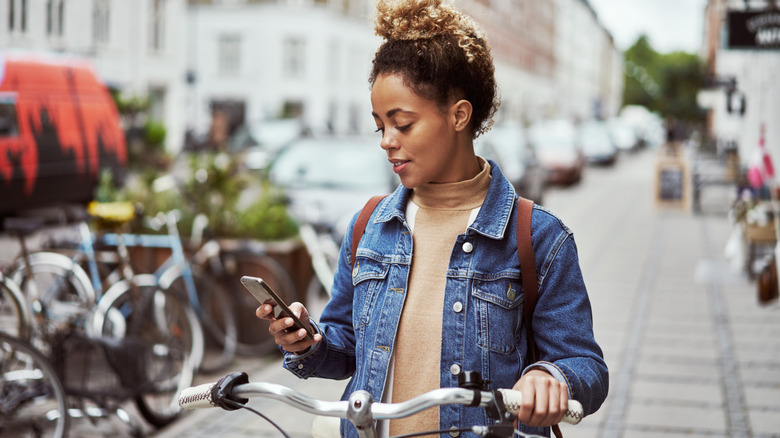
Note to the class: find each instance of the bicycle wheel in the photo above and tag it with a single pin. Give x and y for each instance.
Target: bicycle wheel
(63, 290)
(33, 402)
(15, 317)
(168, 328)
(215, 312)
(253, 336)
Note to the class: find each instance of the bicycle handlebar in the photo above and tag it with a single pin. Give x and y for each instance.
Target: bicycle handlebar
(359, 404)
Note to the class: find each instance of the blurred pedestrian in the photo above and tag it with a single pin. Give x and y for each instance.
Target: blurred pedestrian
(436, 286)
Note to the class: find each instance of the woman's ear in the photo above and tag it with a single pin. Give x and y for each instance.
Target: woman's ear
(461, 111)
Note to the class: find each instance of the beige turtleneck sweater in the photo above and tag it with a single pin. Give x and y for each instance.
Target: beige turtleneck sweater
(443, 212)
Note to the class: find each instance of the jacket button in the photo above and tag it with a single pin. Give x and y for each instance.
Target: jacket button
(300, 366)
(468, 247)
(457, 307)
(454, 431)
(510, 294)
(455, 369)
(355, 270)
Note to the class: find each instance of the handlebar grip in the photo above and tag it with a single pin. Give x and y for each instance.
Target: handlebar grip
(513, 398)
(197, 397)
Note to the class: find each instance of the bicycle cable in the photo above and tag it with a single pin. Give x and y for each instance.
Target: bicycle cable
(237, 405)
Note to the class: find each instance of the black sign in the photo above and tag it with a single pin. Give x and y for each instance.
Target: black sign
(754, 30)
(671, 184)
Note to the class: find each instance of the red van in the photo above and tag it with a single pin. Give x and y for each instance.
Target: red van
(59, 127)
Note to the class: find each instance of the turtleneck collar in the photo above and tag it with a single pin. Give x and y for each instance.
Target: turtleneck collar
(466, 194)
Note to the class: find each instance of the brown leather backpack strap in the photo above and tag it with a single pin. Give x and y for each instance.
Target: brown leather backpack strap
(360, 224)
(525, 250)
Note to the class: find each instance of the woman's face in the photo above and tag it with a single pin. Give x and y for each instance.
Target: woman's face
(418, 136)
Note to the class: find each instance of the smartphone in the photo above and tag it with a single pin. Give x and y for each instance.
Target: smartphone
(265, 295)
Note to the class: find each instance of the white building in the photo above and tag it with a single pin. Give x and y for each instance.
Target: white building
(755, 101)
(589, 68)
(263, 60)
(136, 46)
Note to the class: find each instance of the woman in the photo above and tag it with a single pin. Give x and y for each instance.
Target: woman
(436, 287)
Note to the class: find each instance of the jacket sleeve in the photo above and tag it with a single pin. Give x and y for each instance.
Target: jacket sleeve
(334, 356)
(563, 321)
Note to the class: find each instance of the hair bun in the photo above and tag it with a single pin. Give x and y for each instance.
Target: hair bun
(421, 19)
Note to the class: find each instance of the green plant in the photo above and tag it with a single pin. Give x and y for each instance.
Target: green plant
(215, 188)
(155, 133)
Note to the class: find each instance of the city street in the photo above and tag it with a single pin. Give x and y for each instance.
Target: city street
(691, 352)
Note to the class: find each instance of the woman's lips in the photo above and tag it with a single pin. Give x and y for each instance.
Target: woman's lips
(398, 166)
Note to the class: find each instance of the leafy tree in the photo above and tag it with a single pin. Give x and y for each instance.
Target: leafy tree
(664, 83)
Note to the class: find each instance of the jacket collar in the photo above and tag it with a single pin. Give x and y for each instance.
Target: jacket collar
(492, 220)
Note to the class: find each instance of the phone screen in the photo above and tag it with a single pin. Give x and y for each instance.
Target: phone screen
(265, 295)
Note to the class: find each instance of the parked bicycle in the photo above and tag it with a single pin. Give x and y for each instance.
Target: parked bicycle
(138, 342)
(501, 405)
(33, 401)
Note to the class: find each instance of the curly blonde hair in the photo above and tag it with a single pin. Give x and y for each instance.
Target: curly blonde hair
(441, 53)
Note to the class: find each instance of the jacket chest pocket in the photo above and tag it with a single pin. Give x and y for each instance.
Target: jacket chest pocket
(369, 277)
(498, 313)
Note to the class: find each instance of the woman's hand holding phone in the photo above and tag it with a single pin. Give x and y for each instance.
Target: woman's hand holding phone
(292, 341)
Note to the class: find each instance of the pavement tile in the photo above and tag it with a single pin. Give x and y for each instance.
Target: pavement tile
(676, 417)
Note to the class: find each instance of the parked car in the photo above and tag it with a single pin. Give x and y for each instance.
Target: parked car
(59, 129)
(258, 142)
(507, 144)
(327, 180)
(623, 134)
(556, 146)
(593, 137)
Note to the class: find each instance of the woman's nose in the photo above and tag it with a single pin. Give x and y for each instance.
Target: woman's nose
(387, 142)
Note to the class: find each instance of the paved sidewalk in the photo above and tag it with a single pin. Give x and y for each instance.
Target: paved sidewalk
(691, 352)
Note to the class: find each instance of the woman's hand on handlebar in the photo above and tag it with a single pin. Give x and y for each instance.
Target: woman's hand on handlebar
(545, 399)
(294, 342)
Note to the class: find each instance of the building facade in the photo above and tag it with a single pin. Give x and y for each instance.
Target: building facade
(137, 47)
(264, 60)
(741, 46)
(255, 60)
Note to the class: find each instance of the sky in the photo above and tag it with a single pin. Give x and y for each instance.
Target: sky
(670, 25)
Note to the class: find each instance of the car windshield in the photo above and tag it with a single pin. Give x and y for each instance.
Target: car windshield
(331, 164)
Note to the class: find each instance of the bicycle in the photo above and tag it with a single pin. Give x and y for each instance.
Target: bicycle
(232, 392)
(137, 308)
(225, 261)
(323, 247)
(33, 401)
(211, 303)
(15, 314)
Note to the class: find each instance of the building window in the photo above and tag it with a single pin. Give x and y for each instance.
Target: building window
(23, 18)
(294, 57)
(55, 9)
(100, 21)
(157, 25)
(17, 15)
(229, 52)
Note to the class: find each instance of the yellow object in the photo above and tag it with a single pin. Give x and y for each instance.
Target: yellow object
(119, 212)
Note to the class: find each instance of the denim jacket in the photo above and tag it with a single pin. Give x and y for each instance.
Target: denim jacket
(482, 321)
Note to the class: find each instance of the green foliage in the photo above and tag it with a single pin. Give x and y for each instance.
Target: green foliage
(218, 188)
(267, 218)
(664, 83)
(155, 133)
(106, 191)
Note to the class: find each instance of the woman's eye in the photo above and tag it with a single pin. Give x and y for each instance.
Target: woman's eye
(403, 128)
(382, 130)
